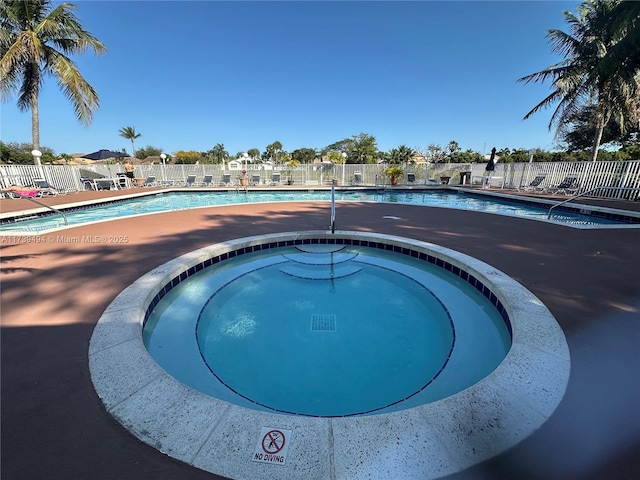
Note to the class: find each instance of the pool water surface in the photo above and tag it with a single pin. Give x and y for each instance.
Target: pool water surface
(326, 330)
(173, 201)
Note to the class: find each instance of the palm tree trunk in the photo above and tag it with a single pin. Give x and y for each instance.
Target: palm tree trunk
(35, 124)
(601, 120)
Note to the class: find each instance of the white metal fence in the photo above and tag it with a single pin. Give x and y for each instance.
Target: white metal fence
(624, 176)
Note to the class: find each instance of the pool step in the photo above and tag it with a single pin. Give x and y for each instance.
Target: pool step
(320, 272)
(320, 258)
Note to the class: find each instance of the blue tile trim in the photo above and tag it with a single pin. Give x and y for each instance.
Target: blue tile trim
(474, 282)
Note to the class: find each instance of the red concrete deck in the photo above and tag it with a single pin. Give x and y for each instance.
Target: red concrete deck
(54, 290)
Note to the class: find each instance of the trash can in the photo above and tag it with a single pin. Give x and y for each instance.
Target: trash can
(465, 178)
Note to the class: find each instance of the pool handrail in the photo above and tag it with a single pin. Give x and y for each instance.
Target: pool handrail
(585, 193)
(31, 199)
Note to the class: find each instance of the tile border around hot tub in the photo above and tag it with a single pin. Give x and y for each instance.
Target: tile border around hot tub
(428, 441)
(334, 240)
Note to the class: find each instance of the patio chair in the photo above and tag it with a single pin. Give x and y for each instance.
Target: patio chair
(535, 184)
(207, 180)
(568, 186)
(88, 183)
(226, 179)
(255, 179)
(150, 181)
(276, 179)
(411, 177)
(45, 188)
(190, 181)
(357, 178)
(104, 184)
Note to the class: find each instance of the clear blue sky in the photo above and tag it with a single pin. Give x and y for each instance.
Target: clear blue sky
(188, 75)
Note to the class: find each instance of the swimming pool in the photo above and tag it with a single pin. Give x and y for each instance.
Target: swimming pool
(347, 330)
(435, 438)
(44, 221)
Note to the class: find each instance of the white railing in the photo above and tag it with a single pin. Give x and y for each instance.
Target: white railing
(624, 175)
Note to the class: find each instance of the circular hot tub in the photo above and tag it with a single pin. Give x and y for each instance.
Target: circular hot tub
(407, 428)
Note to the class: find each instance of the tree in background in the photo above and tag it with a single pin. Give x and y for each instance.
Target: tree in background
(361, 148)
(35, 39)
(272, 151)
(590, 73)
(304, 155)
(578, 134)
(130, 134)
(401, 155)
(253, 153)
(453, 149)
(218, 153)
(20, 153)
(435, 153)
(148, 151)
(188, 157)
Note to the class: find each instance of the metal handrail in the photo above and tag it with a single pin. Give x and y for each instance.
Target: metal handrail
(31, 199)
(587, 192)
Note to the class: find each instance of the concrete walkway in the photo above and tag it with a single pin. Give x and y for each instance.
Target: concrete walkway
(55, 287)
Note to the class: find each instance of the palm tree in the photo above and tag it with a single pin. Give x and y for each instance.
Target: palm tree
(587, 75)
(35, 39)
(219, 152)
(401, 155)
(130, 134)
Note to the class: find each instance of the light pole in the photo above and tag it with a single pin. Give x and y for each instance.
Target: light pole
(37, 155)
(164, 167)
(344, 160)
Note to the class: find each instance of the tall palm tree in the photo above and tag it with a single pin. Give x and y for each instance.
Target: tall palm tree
(130, 134)
(587, 75)
(35, 39)
(219, 153)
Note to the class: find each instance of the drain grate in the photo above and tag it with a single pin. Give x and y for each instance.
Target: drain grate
(323, 323)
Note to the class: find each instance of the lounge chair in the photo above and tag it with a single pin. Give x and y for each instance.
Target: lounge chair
(207, 180)
(535, 184)
(105, 184)
(255, 179)
(45, 188)
(88, 183)
(568, 186)
(190, 181)
(150, 181)
(226, 179)
(276, 179)
(357, 178)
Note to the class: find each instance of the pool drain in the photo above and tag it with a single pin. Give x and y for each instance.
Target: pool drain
(323, 323)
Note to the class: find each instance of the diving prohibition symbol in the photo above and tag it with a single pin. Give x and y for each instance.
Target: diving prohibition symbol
(273, 441)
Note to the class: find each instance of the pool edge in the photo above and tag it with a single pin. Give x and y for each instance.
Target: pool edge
(433, 439)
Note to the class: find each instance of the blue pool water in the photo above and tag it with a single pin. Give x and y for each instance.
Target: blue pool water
(183, 200)
(326, 330)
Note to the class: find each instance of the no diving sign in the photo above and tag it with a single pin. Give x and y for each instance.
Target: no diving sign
(272, 446)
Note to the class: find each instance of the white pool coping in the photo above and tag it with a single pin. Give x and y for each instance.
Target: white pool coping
(425, 442)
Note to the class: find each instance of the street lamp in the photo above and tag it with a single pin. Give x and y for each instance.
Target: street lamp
(164, 167)
(37, 155)
(344, 160)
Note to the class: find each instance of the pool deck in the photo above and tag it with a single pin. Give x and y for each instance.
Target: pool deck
(54, 426)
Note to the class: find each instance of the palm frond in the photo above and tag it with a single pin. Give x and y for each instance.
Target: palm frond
(77, 90)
